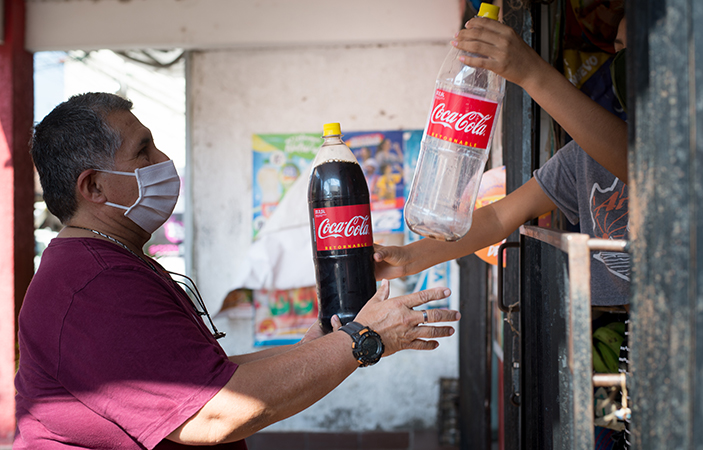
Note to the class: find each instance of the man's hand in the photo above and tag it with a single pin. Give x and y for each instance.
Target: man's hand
(400, 326)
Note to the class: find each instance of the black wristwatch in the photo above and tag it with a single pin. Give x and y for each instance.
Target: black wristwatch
(367, 346)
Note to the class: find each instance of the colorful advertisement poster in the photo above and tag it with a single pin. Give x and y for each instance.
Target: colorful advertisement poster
(280, 316)
(283, 316)
(279, 159)
(380, 154)
(492, 189)
(388, 159)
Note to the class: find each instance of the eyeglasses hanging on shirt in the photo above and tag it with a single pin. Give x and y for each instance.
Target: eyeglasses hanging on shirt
(192, 292)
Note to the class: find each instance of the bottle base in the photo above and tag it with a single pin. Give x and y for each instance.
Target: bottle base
(436, 233)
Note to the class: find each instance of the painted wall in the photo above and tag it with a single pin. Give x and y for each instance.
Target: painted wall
(236, 93)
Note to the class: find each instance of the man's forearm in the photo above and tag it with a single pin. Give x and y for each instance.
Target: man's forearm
(266, 353)
(266, 390)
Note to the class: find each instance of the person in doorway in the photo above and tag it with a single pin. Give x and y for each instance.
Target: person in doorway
(586, 179)
(113, 353)
(601, 134)
(585, 190)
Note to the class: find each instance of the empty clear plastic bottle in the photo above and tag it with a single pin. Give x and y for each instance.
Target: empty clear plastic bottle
(455, 146)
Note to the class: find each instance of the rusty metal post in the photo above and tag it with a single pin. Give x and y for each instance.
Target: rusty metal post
(579, 341)
(475, 355)
(556, 321)
(521, 117)
(665, 94)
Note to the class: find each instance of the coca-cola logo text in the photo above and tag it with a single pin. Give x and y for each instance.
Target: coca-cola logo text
(343, 227)
(356, 226)
(462, 119)
(471, 122)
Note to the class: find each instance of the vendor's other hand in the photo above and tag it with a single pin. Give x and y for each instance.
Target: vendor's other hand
(391, 262)
(315, 331)
(400, 326)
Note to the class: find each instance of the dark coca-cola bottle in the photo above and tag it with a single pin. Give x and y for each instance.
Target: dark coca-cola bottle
(340, 224)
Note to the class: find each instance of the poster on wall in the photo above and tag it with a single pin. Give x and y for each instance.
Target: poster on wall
(280, 316)
(380, 154)
(491, 190)
(278, 160)
(283, 316)
(388, 159)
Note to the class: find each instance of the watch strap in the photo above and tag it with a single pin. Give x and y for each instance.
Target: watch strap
(352, 328)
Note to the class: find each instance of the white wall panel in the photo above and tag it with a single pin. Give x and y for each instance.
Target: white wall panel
(203, 24)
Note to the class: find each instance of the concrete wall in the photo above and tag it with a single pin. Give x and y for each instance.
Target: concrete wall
(236, 93)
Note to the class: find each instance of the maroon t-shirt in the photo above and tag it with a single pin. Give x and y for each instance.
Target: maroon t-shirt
(112, 354)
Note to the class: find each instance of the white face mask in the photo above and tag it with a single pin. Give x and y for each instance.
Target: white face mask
(159, 185)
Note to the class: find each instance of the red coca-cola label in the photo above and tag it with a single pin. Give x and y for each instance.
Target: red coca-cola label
(462, 120)
(343, 227)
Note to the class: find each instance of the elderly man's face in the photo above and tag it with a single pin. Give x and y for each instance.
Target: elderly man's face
(137, 150)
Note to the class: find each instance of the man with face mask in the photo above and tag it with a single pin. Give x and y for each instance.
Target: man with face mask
(113, 353)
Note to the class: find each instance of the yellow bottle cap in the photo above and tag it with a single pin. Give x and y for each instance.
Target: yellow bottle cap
(489, 11)
(331, 129)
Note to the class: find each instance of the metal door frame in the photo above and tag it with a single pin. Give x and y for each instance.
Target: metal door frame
(556, 340)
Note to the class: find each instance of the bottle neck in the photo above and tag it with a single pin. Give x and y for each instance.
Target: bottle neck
(333, 139)
(333, 149)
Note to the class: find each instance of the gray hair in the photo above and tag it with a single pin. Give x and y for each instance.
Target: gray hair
(72, 138)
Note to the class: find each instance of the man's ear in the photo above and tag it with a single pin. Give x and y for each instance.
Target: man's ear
(89, 188)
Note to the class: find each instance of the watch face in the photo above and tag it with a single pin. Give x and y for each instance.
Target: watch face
(371, 347)
(367, 346)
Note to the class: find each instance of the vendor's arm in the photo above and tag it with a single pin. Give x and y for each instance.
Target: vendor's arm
(600, 133)
(491, 224)
(264, 391)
